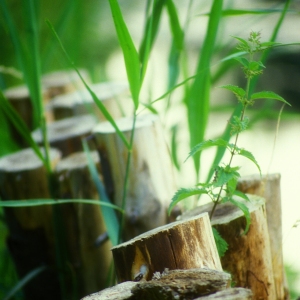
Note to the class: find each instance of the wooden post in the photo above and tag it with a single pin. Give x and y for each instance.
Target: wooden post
(112, 94)
(66, 134)
(63, 81)
(19, 98)
(84, 223)
(268, 187)
(151, 182)
(179, 245)
(248, 258)
(31, 237)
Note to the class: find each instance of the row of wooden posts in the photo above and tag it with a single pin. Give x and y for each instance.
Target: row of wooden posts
(148, 265)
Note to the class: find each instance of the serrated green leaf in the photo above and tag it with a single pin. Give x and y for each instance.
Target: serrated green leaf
(246, 212)
(222, 245)
(239, 92)
(183, 194)
(248, 155)
(268, 95)
(207, 144)
(224, 175)
(255, 65)
(241, 195)
(242, 41)
(231, 185)
(242, 60)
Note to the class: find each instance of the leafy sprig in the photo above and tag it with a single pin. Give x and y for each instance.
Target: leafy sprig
(223, 186)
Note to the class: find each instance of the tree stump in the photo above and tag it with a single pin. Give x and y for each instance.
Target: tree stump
(80, 102)
(248, 258)
(268, 187)
(31, 236)
(19, 98)
(179, 245)
(66, 134)
(84, 223)
(63, 81)
(151, 182)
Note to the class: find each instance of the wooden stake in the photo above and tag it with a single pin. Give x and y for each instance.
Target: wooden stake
(180, 245)
(248, 258)
(66, 134)
(63, 81)
(151, 182)
(112, 94)
(268, 187)
(84, 223)
(31, 236)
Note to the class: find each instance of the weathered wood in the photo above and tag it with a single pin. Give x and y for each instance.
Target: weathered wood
(31, 237)
(84, 223)
(151, 183)
(66, 134)
(268, 187)
(182, 284)
(63, 81)
(180, 245)
(19, 98)
(112, 95)
(175, 284)
(248, 258)
(230, 294)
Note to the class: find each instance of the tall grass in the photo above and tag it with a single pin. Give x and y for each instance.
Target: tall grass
(197, 83)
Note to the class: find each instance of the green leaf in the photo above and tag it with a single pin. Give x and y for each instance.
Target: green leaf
(225, 174)
(243, 61)
(99, 103)
(109, 215)
(41, 202)
(198, 97)
(268, 95)
(130, 54)
(222, 245)
(183, 194)
(174, 144)
(249, 155)
(246, 212)
(241, 195)
(239, 92)
(207, 144)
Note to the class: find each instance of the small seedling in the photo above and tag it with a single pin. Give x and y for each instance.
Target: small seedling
(223, 186)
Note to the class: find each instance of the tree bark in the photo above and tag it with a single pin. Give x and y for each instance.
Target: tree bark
(268, 187)
(169, 285)
(180, 245)
(31, 236)
(248, 258)
(64, 81)
(80, 102)
(151, 182)
(66, 134)
(84, 223)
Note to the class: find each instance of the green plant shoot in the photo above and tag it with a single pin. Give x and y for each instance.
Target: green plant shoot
(222, 188)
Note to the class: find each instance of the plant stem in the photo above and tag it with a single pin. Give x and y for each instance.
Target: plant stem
(125, 189)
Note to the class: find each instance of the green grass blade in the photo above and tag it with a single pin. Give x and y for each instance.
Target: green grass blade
(150, 34)
(109, 215)
(33, 68)
(130, 54)
(41, 202)
(199, 95)
(95, 98)
(27, 278)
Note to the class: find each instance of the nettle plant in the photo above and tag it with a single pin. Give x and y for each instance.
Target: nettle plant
(222, 188)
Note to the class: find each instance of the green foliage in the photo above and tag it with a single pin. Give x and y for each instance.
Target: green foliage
(223, 186)
(222, 245)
